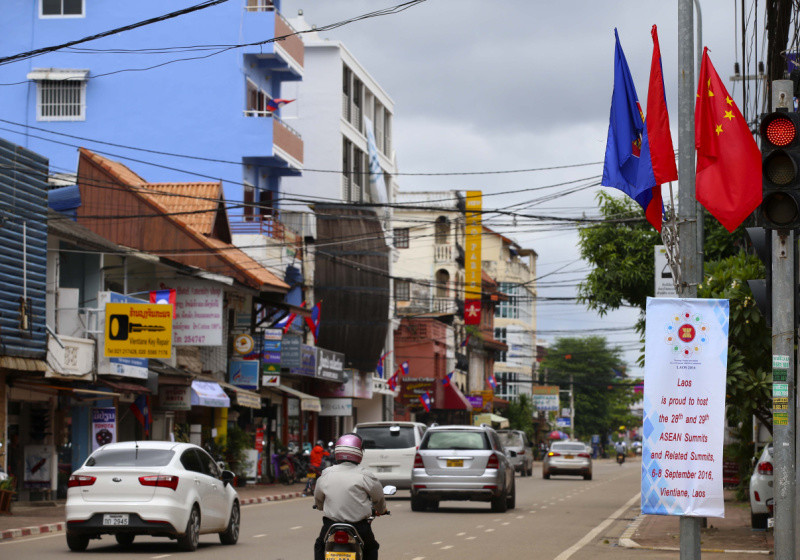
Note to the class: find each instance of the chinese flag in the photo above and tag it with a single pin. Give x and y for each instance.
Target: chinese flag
(728, 159)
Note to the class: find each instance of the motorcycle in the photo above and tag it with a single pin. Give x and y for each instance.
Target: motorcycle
(283, 467)
(342, 539)
(620, 458)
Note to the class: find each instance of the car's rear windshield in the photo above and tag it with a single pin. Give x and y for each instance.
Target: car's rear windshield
(130, 458)
(576, 447)
(510, 439)
(456, 440)
(387, 437)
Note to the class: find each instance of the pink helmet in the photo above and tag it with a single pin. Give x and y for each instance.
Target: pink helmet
(349, 447)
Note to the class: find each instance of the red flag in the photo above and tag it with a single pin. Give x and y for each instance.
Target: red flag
(728, 160)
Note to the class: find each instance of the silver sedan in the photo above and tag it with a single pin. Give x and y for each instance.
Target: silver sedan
(567, 457)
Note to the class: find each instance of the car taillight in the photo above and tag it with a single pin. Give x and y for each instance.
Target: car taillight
(418, 464)
(80, 480)
(584, 455)
(554, 454)
(758, 498)
(765, 467)
(160, 480)
(493, 463)
(341, 537)
(521, 452)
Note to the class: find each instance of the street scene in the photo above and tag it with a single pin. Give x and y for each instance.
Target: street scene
(407, 279)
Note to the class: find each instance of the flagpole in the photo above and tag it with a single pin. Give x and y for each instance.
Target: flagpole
(687, 209)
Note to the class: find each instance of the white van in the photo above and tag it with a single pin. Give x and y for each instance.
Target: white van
(389, 449)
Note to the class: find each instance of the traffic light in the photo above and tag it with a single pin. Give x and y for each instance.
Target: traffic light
(761, 239)
(780, 154)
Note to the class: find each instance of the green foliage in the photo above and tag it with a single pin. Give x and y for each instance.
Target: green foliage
(236, 443)
(520, 415)
(602, 403)
(9, 483)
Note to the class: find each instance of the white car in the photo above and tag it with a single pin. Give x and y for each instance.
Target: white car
(761, 490)
(389, 449)
(158, 488)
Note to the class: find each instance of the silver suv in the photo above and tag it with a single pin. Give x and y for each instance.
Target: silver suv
(462, 463)
(389, 449)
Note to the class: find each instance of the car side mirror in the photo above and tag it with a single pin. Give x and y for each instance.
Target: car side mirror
(227, 477)
(221, 465)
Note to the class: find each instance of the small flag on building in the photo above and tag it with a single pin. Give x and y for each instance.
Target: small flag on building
(275, 104)
(447, 379)
(492, 381)
(465, 341)
(379, 367)
(164, 297)
(141, 410)
(426, 401)
(393, 382)
(405, 368)
(313, 321)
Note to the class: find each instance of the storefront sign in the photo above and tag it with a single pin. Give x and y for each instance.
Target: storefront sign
(308, 361)
(355, 385)
(686, 352)
(40, 461)
(412, 388)
(330, 365)
(545, 398)
(243, 344)
(472, 259)
(125, 367)
(104, 427)
(175, 397)
(247, 399)
(291, 351)
(244, 373)
(138, 330)
(336, 407)
(665, 285)
(271, 350)
(270, 380)
(476, 402)
(198, 306)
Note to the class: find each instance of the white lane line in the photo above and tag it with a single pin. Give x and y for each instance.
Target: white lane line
(419, 558)
(437, 542)
(161, 556)
(588, 537)
(460, 534)
(506, 523)
(447, 546)
(532, 511)
(471, 538)
(259, 536)
(295, 528)
(489, 530)
(544, 507)
(479, 526)
(520, 516)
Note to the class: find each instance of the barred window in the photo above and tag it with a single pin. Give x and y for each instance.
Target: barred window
(402, 290)
(401, 238)
(61, 100)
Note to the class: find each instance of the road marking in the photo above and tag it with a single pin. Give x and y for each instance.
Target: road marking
(470, 538)
(295, 528)
(588, 537)
(460, 534)
(532, 511)
(161, 556)
(506, 523)
(489, 530)
(437, 542)
(544, 507)
(520, 516)
(447, 546)
(259, 536)
(419, 558)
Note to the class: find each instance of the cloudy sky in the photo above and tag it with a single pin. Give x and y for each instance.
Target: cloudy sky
(521, 84)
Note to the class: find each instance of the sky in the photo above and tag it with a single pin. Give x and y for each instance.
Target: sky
(522, 84)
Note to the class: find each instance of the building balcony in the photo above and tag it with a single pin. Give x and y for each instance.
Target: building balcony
(262, 129)
(443, 253)
(266, 225)
(284, 55)
(287, 140)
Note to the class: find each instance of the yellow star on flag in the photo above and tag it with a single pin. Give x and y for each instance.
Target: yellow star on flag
(728, 100)
(729, 115)
(710, 93)
(718, 129)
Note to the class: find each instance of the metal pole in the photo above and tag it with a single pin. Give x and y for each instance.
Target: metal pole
(783, 433)
(687, 210)
(700, 210)
(572, 405)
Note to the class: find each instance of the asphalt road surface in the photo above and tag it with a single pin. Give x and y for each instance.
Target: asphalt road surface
(561, 518)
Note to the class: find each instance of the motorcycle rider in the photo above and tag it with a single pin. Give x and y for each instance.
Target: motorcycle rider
(315, 466)
(347, 493)
(621, 450)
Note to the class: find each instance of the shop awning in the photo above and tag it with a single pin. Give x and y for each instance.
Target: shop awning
(122, 387)
(209, 393)
(453, 399)
(242, 397)
(307, 402)
(495, 420)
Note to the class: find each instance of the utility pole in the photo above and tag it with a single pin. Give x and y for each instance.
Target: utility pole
(687, 210)
(572, 405)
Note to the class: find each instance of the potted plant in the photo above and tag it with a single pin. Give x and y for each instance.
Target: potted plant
(7, 486)
(237, 443)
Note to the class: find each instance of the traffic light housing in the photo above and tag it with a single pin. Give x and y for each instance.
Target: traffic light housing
(780, 165)
(761, 240)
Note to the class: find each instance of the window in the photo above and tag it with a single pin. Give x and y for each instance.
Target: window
(501, 335)
(461, 439)
(132, 457)
(347, 76)
(60, 94)
(401, 238)
(387, 132)
(61, 8)
(347, 173)
(249, 200)
(260, 6)
(257, 101)
(442, 281)
(441, 230)
(402, 290)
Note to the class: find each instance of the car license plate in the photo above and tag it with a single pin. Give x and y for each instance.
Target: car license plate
(384, 469)
(115, 519)
(340, 555)
(455, 462)
(569, 456)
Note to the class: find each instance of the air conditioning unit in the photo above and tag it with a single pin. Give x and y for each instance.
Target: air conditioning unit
(70, 356)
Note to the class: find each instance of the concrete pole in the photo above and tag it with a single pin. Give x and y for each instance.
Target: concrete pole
(572, 405)
(687, 210)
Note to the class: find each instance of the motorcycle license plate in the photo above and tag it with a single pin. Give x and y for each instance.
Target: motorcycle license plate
(455, 462)
(340, 555)
(569, 456)
(115, 519)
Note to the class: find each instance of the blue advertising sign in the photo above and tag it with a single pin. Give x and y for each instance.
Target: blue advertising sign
(244, 373)
(291, 351)
(308, 361)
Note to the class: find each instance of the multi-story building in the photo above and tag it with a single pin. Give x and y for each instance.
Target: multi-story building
(173, 94)
(514, 268)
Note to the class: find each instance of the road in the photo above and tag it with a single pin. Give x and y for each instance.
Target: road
(561, 518)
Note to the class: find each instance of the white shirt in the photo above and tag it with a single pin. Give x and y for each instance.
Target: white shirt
(347, 492)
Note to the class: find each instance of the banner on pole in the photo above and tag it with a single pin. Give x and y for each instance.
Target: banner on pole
(686, 355)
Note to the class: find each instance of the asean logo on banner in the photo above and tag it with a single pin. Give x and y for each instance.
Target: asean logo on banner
(686, 334)
(472, 312)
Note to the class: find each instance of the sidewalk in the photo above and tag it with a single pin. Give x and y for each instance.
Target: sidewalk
(33, 518)
(729, 535)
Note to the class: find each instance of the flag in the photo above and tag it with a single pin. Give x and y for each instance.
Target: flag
(465, 341)
(405, 368)
(377, 185)
(662, 154)
(286, 322)
(393, 382)
(492, 381)
(447, 379)
(313, 321)
(275, 104)
(379, 367)
(728, 160)
(627, 165)
(141, 410)
(165, 297)
(426, 401)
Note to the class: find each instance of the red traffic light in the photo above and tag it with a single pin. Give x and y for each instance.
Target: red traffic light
(780, 131)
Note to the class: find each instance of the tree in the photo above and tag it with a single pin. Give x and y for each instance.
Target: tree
(602, 400)
(520, 415)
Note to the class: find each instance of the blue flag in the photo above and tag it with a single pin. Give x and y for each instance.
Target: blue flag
(628, 166)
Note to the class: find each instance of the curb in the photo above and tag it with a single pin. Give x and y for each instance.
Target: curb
(626, 541)
(9, 534)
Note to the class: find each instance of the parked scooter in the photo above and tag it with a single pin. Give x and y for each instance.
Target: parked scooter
(342, 539)
(620, 458)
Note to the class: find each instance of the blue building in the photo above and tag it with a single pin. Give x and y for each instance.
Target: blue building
(192, 92)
